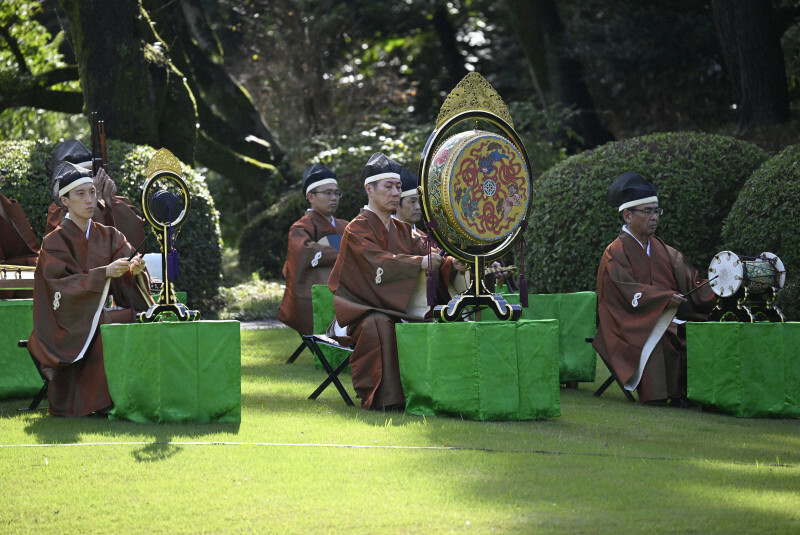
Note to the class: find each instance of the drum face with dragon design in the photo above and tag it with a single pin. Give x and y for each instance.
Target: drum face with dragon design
(479, 188)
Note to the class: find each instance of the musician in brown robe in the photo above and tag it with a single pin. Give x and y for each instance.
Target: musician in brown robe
(451, 279)
(309, 262)
(80, 264)
(380, 264)
(19, 245)
(641, 287)
(112, 210)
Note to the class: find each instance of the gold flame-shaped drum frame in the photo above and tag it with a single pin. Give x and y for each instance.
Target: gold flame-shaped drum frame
(475, 188)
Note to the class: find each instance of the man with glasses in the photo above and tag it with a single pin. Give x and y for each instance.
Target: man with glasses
(641, 298)
(313, 247)
(380, 269)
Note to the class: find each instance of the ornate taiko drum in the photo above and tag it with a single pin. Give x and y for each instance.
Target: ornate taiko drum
(479, 188)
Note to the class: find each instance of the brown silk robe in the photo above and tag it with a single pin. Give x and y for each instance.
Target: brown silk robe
(68, 292)
(372, 282)
(307, 263)
(122, 215)
(627, 318)
(19, 245)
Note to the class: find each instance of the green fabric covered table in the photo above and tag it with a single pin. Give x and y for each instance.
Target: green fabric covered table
(18, 375)
(488, 370)
(745, 369)
(576, 314)
(174, 371)
(322, 299)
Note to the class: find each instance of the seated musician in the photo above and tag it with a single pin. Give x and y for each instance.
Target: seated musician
(641, 284)
(80, 264)
(19, 245)
(112, 210)
(452, 277)
(313, 247)
(379, 265)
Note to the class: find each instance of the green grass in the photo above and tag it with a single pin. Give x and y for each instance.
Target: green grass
(300, 466)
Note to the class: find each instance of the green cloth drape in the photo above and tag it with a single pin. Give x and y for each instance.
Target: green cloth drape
(489, 370)
(174, 371)
(576, 314)
(18, 375)
(745, 369)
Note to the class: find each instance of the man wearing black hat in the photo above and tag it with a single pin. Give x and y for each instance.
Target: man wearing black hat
(19, 245)
(313, 247)
(380, 268)
(111, 210)
(80, 264)
(641, 285)
(409, 209)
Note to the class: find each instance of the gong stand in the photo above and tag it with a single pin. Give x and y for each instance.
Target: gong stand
(167, 302)
(478, 297)
(166, 211)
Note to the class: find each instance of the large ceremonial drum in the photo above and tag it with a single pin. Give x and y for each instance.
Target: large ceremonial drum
(479, 188)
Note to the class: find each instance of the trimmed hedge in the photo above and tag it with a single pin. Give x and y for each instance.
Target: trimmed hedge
(766, 217)
(698, 177)
(23, 164)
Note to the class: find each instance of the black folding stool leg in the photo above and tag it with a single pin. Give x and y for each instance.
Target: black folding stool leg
(297, 352)
(612, 378)
(42, 391)
(312, 342)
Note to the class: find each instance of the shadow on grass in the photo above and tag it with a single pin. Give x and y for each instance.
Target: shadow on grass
(156, 440)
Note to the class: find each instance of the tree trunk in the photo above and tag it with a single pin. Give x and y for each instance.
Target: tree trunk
(137, 92)
(750, 38)
(233, 132)
(540, 31)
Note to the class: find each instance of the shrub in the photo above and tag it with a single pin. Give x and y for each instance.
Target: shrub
(23, 164)
(766, 217)
(252, 300)
(697, 175)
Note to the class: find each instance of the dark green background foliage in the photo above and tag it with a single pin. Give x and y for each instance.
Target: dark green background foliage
(766, 217)
(23, 164)
(698, 178)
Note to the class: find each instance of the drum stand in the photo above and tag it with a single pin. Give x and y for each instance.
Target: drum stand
(749, 308)
(478, 297)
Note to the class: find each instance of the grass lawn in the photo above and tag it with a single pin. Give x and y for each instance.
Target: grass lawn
(300, 466)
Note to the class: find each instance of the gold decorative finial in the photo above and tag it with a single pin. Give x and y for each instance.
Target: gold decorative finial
(473, 92)
(163, 160)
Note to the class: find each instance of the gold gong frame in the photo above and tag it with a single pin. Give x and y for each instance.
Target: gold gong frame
(167, 302)
(475, 256)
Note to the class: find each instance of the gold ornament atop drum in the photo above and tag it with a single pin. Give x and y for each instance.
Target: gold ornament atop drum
(746, 286)
(475, 188)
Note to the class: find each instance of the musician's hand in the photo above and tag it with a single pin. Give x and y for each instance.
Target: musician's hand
(436, 261)
(676, 299)
(459, 265)
(105, 187)
(501, 275)
(117, 268)
(137, 264)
